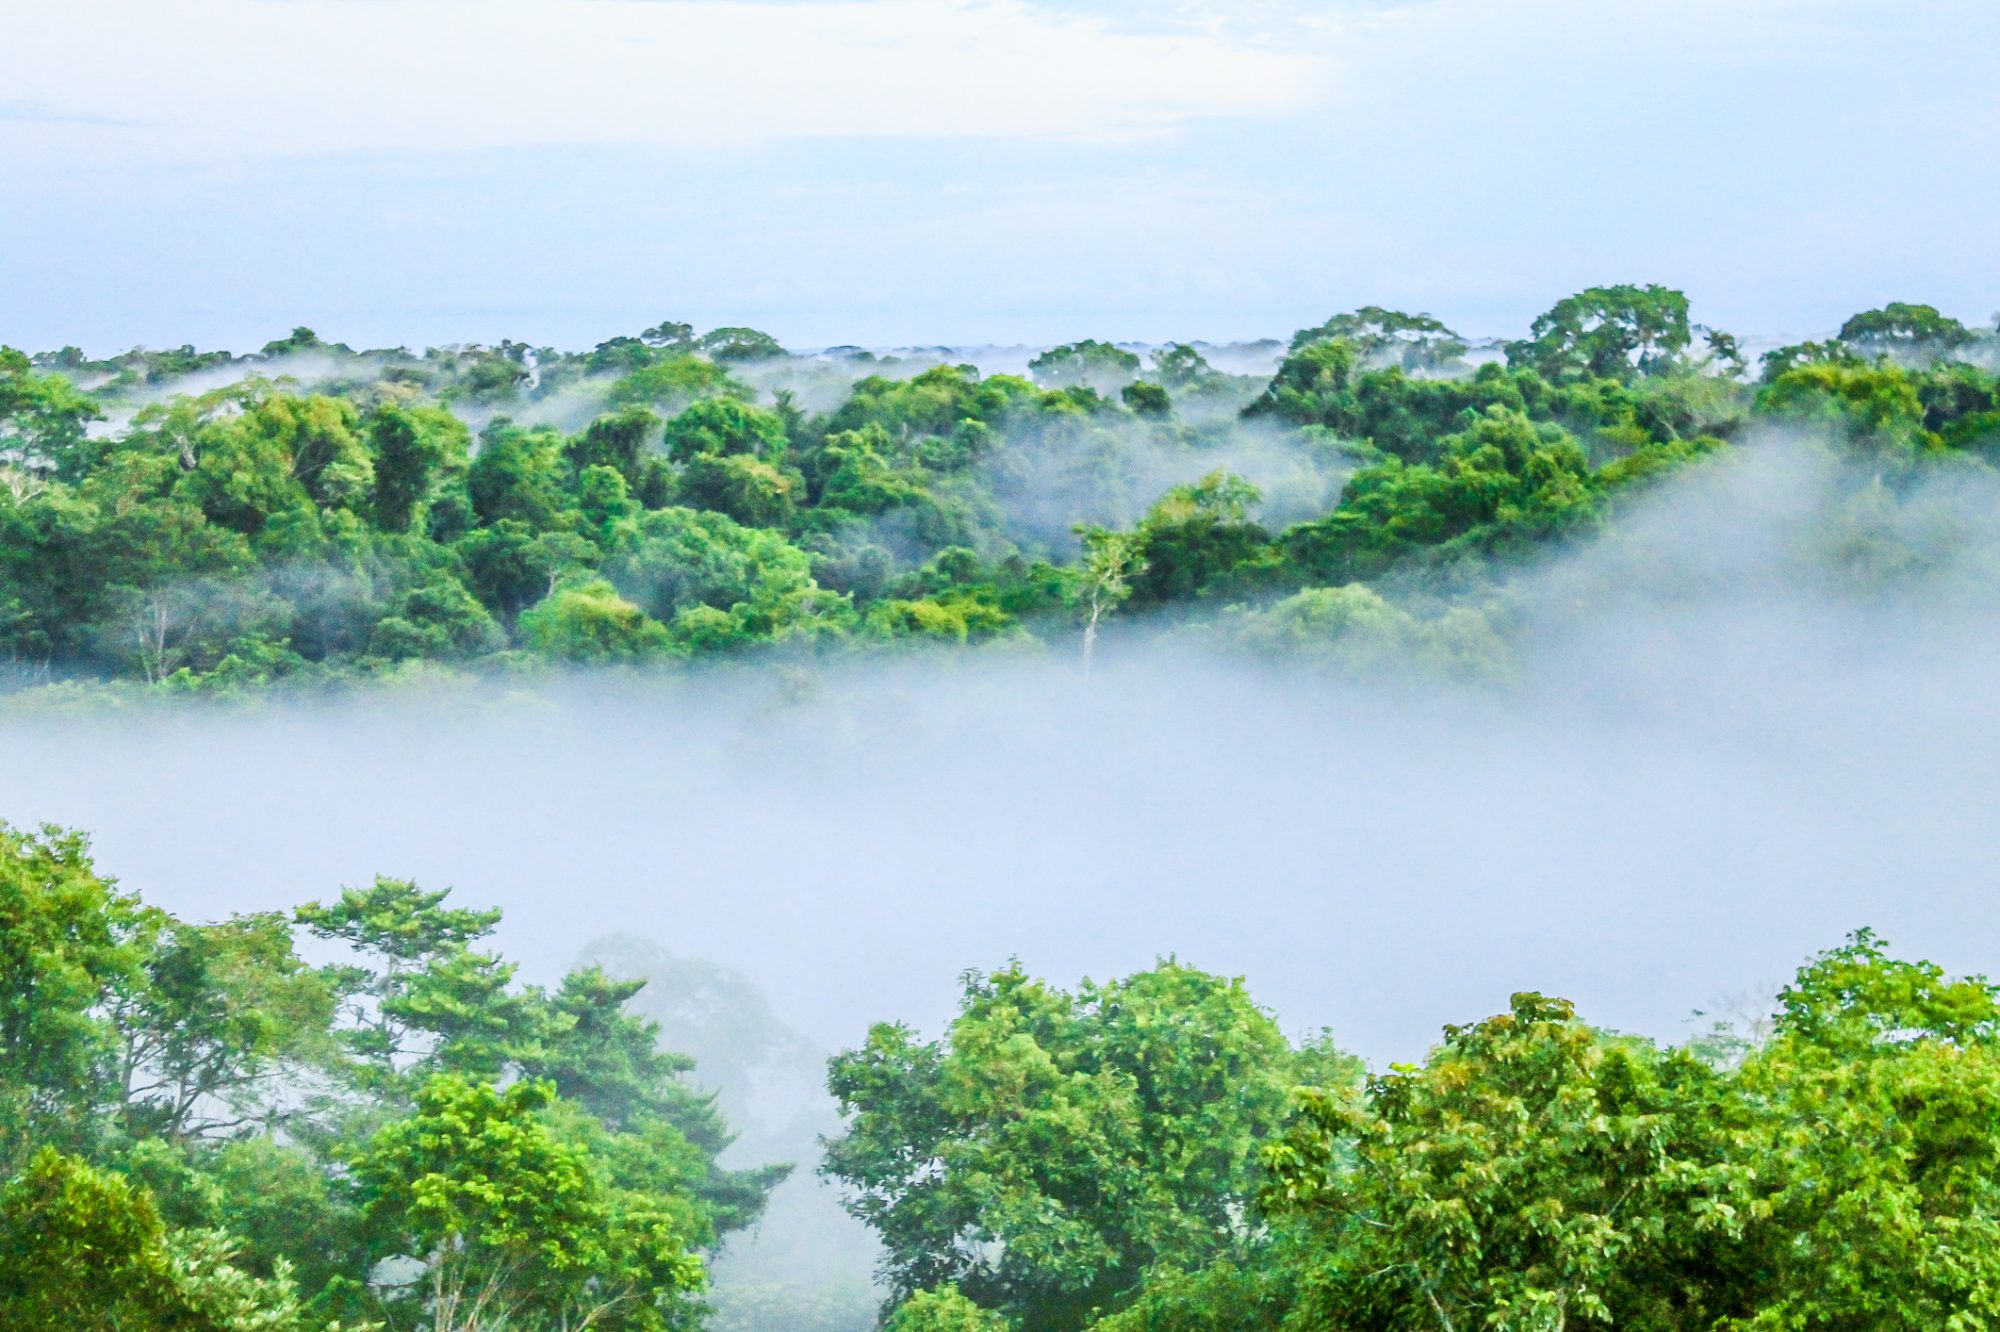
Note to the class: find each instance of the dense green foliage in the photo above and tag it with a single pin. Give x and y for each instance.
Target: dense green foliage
(1119, 1159)
(202, 1131)
(1057, 1145)
(312, 513)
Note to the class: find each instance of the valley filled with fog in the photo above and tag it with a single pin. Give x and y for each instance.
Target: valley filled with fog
(785, 731)
(1704, 764)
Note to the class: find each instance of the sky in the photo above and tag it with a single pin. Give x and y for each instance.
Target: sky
(908, 172)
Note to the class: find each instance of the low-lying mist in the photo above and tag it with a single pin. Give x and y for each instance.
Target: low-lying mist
(1753, 715)
(1712, 757)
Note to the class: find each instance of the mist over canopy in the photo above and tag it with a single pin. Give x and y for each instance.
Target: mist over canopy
(999, 666)
(1069, 766)
(1704, 765)
(1387, 667)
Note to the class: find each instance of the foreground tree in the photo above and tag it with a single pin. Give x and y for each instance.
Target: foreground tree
(512, 1226)
(1053, 1146)
(1838, 1171)
(1871, 1136)
(1532, 1175)
(190, 1115)
(82, 1250)
(70, 944)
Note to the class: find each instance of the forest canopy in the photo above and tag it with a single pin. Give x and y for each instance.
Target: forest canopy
(311, 514)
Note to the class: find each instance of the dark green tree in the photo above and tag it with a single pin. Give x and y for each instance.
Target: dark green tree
(1607, 333)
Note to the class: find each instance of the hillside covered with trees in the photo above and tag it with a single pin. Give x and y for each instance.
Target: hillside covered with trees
(312, 514)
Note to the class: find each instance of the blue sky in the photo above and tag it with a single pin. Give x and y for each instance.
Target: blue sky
(957, 171)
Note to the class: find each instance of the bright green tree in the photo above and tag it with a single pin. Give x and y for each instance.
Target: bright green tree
(676, 381)
(518, 475)
(515, 1226)
(70, 942)
(681, 558)
(43, 419)
(1053, 1146)
(1871, 410)
(587, 621)
(1532, 1175)
(224, 1012)
(1871, 1137)
(719, 427)
(278, 454)
(943, 1310)
(1196, 537)
(81, 1250)
(416, 996)
(413, 448)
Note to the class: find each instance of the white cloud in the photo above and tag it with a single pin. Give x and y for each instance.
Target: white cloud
(247, 76)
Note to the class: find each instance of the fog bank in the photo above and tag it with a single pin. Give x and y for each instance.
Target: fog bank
(1660, 810)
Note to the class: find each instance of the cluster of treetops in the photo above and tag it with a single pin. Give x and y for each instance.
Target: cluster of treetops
(152, 531)
(201, 1131)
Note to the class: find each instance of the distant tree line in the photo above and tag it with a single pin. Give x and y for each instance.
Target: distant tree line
(309, 513)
